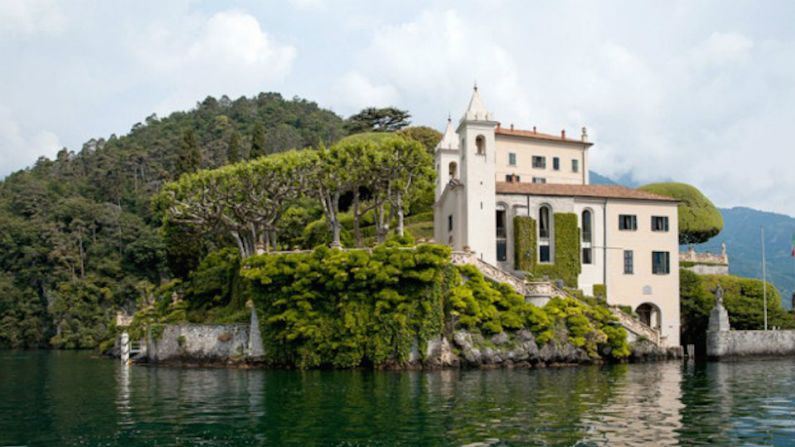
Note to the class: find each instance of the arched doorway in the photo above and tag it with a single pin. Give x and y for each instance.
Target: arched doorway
(650, 315)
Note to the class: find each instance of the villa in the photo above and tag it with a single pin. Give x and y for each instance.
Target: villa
(521, 201)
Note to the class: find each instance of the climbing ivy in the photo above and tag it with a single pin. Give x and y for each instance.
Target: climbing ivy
(567, 248)
(357, 307)
(524, 240)
(348, 308)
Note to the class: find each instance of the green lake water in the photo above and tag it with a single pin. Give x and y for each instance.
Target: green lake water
(68, 398)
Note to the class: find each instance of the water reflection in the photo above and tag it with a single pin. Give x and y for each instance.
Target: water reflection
(68, 398)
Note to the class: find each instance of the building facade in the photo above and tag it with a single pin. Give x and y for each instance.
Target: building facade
(522, 201)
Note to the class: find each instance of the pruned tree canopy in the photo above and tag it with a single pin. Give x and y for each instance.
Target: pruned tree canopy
(699, 219)
(371, 119)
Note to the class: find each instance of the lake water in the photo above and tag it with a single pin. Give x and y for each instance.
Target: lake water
(67, 398)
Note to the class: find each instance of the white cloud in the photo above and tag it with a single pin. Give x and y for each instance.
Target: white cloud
(357, 91)
(20, 146)
(29, 17)
(309, 5)
(227, 53)
(723, 49)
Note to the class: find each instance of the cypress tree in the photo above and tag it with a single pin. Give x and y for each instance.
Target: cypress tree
(258, 141)
(189, 157)
(233, 148)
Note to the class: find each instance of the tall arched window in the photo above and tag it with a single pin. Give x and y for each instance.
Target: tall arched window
(544, 234)
(453, 168)
(587, 226)
(480, 145)
(543, 222)
(587, 237)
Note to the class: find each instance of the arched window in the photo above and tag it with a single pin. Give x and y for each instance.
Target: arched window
(543, 222)
(544, 234)
(453, 168)
(587, 237)
(480, 144)
(587, 228)
(650, 315)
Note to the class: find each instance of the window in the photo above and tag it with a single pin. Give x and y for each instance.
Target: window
(544, 234)
(450, 223)
(587, 232)
(556, 163)
(512, 159)
(539, 162)
(452, 169)
(539, 180)
(660, 262)
(543, 222)
(659, 223)
(510, 178)
(501, 224)
(627, 222)
(629, 262)
(480, 144)
(575, 165)
(502, 243)
(586, 255)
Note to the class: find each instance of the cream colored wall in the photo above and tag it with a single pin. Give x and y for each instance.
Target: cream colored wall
(643, 286)
(449, 204)
(525, 149)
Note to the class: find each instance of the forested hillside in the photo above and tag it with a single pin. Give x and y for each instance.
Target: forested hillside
(78, 235)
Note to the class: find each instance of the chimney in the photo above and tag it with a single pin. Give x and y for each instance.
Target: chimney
(584, 134)
(498, 125)
(563, 134)
(534, 129)
(511, 126)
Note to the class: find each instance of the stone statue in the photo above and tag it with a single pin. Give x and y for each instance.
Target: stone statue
(719, 296)
(723, 249)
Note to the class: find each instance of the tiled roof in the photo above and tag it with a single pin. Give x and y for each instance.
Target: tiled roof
(592, 191)
(537, 135)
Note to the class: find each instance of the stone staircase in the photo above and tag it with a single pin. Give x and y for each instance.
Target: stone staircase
(540, 292)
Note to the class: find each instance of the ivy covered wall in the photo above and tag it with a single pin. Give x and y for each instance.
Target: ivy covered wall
(566, 256)
(349, 308)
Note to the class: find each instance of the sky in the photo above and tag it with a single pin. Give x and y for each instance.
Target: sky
(701, 92)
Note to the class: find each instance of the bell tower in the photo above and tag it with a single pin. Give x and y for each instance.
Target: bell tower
(478, 163)
(447, 159)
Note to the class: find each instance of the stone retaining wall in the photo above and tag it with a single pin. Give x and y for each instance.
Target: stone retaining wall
(727, 344)
(199, 343)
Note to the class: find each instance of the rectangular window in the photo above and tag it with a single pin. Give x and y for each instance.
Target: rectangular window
(556, 163)
(450, 223)
(502, 250)
(539, 162)
(512, 159)
(660, 262)
(627, 222)
(659, 223)
(544, 254)
(586, 255)
(575, 165)
(539, 180)
(629, 262)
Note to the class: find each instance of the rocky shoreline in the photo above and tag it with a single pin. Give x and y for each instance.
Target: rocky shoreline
(467, 350)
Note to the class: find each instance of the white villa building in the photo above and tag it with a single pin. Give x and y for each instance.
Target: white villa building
(488, 174)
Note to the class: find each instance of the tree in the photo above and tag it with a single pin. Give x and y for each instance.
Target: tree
(258, 148)
(245, 200)
(699, 219)
(371, 119)
(189, 157)
(233, 149)
(425, 135)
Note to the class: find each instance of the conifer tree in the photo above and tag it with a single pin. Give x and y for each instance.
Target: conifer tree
(189, 157)
(258, 141)
(233, 148)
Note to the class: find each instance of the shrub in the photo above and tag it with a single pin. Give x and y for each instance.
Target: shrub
(699, 219)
